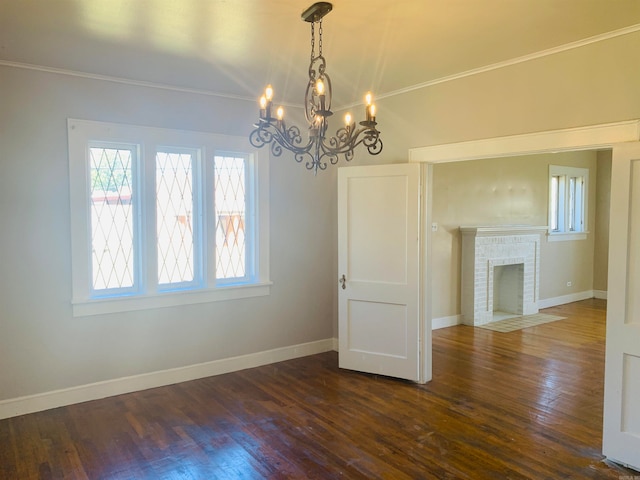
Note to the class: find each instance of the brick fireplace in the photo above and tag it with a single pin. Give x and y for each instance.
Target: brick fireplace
(500, 272)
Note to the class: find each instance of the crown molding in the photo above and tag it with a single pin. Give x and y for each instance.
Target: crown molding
(122, 80)
(476, 71)
(514, 61)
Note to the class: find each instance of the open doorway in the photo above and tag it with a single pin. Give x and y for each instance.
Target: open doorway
(507, 191)
(620, 441)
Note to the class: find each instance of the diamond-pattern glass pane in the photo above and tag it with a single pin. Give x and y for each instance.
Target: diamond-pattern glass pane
(111, 217)
(174, 217)
(230, 206)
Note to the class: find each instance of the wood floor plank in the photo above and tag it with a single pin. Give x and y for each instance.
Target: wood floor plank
(519, 405)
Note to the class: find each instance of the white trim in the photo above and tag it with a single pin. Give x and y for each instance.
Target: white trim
(101, 306)
(600, 294)
(426, 255)
(570, 298)
(514, 61)
(453, 320)
(336, 344)
(126, 81)
(444, 322)
(93, 391)
(566, 237)
(570, 139)
(501, 230)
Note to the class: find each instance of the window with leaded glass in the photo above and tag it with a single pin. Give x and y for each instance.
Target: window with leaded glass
(153, 222)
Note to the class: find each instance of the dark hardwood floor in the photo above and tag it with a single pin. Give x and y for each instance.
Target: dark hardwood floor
(525, 404)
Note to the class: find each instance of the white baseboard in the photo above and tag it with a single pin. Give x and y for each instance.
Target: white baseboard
(93, 391)
(453, 320)
(336, 344)
(573, 297)
(444, 322)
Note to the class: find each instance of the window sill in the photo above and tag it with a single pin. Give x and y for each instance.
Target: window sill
(566, 237)
(101, 306)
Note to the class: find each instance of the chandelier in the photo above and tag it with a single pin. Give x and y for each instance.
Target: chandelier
(317, 107)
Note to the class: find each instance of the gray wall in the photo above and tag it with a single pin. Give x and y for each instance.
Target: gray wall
(42, 346)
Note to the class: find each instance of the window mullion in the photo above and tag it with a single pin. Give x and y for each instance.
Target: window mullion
(149, 236)
(199, 233)
(209, 216)
(250, 201)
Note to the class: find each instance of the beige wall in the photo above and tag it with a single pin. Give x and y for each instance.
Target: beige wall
(601, 230)
(505, 191)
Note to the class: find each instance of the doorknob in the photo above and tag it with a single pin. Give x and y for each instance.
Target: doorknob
(343, 282)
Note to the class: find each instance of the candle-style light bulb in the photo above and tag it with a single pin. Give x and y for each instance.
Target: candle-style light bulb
(320, 91)
(263, 107)
(268, 93)
(347, 119)
(368, 98)
(372, 109)
(280, 113)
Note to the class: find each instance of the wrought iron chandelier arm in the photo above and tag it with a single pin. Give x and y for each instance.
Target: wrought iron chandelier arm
(319, 150)
(346, 140)
(278, 136)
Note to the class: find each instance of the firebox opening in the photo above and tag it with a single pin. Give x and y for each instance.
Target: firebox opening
(508, 291)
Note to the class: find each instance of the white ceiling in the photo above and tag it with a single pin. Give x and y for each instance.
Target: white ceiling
(236, 47)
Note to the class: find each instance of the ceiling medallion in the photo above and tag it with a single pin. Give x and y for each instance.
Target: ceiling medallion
(319, 149)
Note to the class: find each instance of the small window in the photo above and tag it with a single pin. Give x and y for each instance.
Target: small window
(568, 202)
(159, 224)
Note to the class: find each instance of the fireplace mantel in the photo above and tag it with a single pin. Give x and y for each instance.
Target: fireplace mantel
(487, 230)
(487, 247)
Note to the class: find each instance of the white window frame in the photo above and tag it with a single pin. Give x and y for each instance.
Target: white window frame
(565, 208)
(200, 278)
(85, 133)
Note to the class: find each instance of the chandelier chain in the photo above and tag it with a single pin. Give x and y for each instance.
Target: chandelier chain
(320, 39)
(313, 41)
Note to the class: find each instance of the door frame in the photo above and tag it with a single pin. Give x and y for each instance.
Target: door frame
(593, 137)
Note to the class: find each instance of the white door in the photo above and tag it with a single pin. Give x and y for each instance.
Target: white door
(621, 440)
(379, 269)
